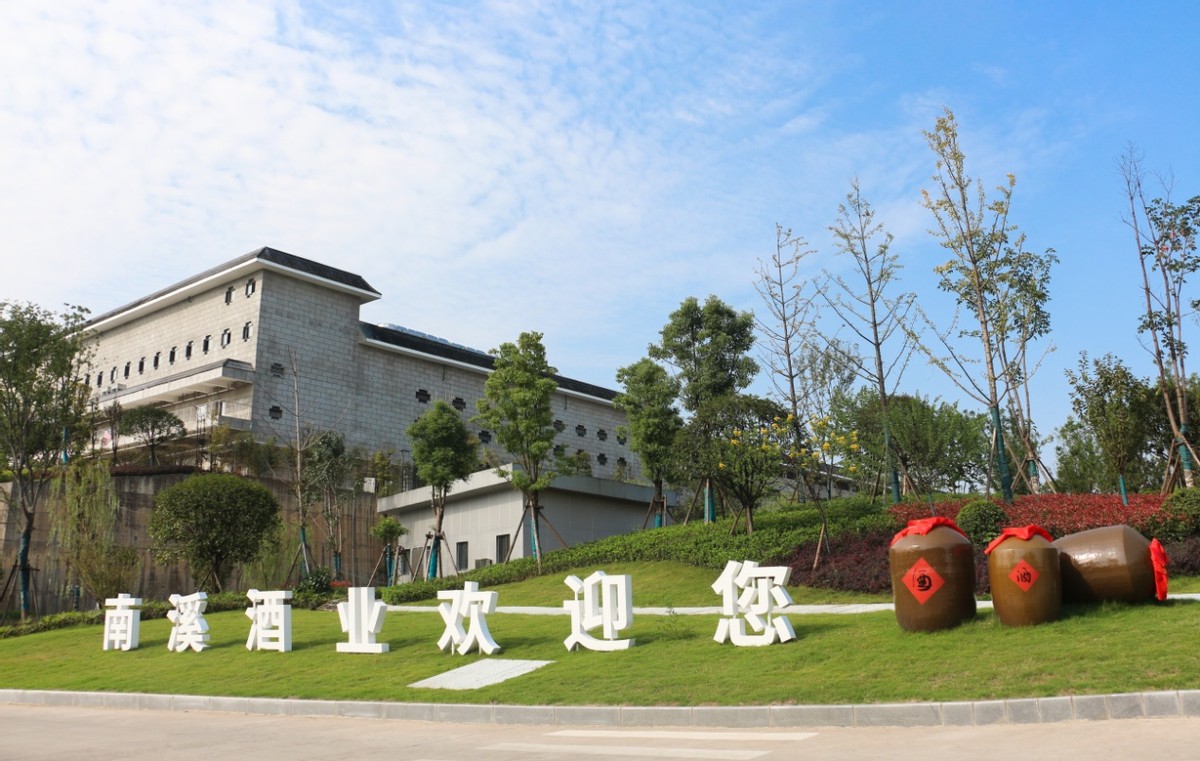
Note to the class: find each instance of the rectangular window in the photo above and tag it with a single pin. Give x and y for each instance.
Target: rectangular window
(501, 547)
(461, 556)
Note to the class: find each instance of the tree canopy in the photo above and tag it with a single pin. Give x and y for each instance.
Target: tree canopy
(649, 405)
(85, 527)
(709, 346)
(43, 408)
(443, 451)
(153, 426)
(516, 405)
(212, 521)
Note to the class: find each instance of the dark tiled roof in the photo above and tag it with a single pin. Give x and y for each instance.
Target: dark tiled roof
(425, 345)
(266, 254)
(308, 266)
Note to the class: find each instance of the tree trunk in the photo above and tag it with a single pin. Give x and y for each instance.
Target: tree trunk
(23, 567)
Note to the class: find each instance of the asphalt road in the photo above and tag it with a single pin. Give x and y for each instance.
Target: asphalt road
(43, 733)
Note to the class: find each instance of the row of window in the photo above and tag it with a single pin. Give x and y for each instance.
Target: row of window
(602, 459)
(172, 355)
(251, 286)
(423, 396)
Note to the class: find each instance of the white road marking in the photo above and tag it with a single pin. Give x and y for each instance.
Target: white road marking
(563, 751)
(684, 735)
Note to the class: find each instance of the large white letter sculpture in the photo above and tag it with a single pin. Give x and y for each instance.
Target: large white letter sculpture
(122, 622)
(188, 627)
(271, 621)
(468, 601)
(752, 593)
(607, 601)
(362, 617)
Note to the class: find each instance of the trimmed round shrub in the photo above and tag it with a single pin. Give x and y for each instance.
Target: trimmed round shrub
(982, 520)
(212, 521)
(1178, 519)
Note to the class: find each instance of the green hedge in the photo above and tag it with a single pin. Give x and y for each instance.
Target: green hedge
(151, 609)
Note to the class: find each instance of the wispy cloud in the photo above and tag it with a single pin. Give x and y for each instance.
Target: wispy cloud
(576, 168)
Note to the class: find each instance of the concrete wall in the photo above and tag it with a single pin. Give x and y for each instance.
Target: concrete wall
(53, 581)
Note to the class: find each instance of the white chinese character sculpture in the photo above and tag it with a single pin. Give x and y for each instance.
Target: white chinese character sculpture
(271, 621)
(468, 601)
(122, 622)
(188, 627)
(362, 618)
(753, 594)
(608, 602)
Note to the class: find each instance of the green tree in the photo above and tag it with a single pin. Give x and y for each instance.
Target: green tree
(1110, 400)
(239, 450)
(942, 447)
(443, 452)
(213, 521)
(709, 346)
(517, 406)
(153, 426)
(1166, 238)
(649, 405)
(110, 418)
(744, 441)
(1003, 287)
(1080, 467)
(43, 409)
(85, 526)
(327, 466)
(387, 530)
(383, 467)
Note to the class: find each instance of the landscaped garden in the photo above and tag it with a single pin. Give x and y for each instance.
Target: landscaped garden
(836, 658)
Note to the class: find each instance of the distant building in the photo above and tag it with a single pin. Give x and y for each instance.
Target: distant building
(484, 512)
(248, 343)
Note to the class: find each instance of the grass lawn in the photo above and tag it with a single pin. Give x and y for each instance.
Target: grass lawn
(837, 659)
(656, 584)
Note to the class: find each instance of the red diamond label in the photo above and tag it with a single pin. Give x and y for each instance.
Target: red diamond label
(922, 581)
(1023, 575)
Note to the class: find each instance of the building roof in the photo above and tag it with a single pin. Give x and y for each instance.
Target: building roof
(263, 258)
(418, 343)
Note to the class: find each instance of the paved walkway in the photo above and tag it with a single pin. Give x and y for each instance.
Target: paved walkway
(41, 733)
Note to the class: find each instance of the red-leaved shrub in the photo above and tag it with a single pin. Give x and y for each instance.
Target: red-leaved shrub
(1060, 514)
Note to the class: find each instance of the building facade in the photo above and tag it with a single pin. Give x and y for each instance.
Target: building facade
(485, 518)
(270, 342)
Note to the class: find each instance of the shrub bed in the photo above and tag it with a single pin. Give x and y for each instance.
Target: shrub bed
(1060, 514)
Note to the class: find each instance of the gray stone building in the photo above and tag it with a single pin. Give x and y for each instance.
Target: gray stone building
(257, 340)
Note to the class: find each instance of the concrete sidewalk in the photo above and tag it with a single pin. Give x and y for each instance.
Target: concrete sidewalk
(1134, 705)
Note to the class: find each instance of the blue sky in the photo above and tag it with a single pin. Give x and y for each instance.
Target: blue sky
(578, 168)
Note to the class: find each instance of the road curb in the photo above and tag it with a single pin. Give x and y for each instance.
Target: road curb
(1133, 705)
